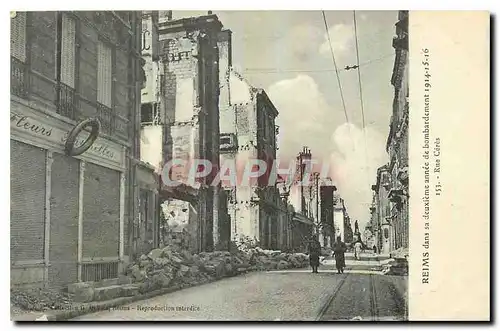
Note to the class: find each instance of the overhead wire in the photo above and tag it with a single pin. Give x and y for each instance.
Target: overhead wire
(361, 97)
(359, 71)
(253, 71)
(335, 65)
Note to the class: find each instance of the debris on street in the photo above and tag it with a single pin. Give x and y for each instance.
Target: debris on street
(173, 265)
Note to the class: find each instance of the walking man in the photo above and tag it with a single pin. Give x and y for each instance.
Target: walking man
(314, 253)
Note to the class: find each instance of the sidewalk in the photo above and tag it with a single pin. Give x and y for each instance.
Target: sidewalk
(18, 315)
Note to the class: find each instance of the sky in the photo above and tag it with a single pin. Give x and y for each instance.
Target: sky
(288, 54)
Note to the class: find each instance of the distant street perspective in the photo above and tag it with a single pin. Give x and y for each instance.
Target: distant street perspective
(229, 165)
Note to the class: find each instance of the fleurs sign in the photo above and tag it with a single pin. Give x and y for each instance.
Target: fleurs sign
(23, 122)
(55, 135)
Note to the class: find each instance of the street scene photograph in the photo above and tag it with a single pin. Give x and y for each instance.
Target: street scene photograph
(209, 165)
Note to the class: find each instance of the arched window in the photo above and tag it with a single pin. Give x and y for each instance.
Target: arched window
(386, 233)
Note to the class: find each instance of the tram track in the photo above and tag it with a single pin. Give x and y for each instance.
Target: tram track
(335, 307)
(373, 299)
(323, 313)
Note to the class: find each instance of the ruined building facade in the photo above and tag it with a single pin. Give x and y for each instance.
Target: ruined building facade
(382, 216)
(180, 121)
(247, 132)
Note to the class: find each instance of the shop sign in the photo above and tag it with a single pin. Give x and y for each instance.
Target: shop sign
(35, 128)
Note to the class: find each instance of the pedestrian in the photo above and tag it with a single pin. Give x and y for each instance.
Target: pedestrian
(339, 249)
(314, 253)
(357, 250)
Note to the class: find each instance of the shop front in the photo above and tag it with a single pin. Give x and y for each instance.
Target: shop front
(67, 212)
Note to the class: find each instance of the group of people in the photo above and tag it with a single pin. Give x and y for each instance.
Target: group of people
(339, 248)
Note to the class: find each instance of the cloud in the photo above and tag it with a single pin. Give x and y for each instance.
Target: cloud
(298, 39)
(306, 119)
(354, 166)
(342, 38)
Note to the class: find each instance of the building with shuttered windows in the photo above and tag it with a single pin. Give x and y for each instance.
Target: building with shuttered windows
(397, 140)
(73, 218)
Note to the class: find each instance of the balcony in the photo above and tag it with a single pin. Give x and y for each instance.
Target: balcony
(403, 175)
(65, 102)
(107, 118)
(396, 196)
(19, 79)
(400, 42)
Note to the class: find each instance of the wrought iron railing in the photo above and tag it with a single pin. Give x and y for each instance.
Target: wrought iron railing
(66, 101)
(96, 271)
(19, 79)
(107, 118)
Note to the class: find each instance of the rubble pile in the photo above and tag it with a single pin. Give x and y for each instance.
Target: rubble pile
(400, 253)
(397, 264)
(172, 265)
(38, 299)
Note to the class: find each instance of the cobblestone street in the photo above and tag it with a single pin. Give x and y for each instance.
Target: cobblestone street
(273, 296)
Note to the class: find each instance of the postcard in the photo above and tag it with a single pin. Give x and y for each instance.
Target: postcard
(250, 165)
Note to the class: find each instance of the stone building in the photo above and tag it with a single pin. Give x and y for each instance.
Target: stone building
(348, 232)
(373, 224)
(248, 132)
(180, 121)
(304, 200)
(397, 141)
(382, 219)
(72, 217)
(341, 219)
(327, 197)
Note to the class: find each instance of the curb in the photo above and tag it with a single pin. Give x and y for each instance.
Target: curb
(64, 315)
(105, 305)
(93, 308)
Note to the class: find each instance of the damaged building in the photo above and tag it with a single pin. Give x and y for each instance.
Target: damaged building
(180, 121)
(248, 132)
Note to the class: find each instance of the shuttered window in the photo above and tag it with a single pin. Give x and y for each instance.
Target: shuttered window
(27, 203)
(104, 74)
(18, 36)
(68, 35)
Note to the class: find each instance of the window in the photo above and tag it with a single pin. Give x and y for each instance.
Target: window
(68, 51)
(150, 113)
(18, 37)
(265, 125)
(104, 74)
(227, 141)
(386, 233)
(66, 65)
